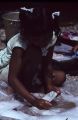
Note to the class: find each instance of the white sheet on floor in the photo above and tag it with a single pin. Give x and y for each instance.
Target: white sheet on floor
(24, 112)
(63, 48)
(17, 115)
(6, 109)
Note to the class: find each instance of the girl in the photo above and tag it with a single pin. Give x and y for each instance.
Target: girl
(24, 54)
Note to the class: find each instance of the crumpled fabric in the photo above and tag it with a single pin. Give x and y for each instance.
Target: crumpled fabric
(65, 109)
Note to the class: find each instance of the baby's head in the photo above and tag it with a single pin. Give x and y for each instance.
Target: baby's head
(59, 78)
(36, 25)
(57, 74)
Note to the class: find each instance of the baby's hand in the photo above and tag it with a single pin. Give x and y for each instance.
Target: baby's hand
(74, 49)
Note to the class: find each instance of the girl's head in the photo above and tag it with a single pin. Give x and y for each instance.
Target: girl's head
(36, 25)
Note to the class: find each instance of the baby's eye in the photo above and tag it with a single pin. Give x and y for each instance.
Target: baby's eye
(50, 75)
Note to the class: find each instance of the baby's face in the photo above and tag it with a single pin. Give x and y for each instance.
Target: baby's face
(58, 77)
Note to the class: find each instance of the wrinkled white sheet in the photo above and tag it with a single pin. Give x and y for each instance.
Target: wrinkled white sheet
(65, 109)
(64, 48)
(60, 57)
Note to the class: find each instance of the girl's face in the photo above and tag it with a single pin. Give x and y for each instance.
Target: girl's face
(41, 40)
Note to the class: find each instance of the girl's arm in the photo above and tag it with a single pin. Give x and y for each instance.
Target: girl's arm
(14, 70)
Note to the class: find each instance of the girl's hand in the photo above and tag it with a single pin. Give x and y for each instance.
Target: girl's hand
(54, 88)
(42, 104)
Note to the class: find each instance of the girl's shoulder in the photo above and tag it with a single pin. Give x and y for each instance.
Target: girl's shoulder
(16, 41)
(13, 39)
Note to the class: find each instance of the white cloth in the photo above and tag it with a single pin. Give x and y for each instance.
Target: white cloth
(5, 55)
(65, 109)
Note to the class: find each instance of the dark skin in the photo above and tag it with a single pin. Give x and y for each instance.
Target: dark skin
(40, 42)
(48, 73)
(15, 66)
(75, 48)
